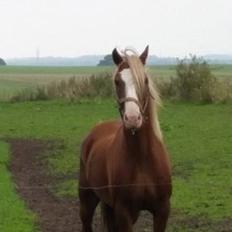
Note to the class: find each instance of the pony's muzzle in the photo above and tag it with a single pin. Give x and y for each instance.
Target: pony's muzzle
(132, 121)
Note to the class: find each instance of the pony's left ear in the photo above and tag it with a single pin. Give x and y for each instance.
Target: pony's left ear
(116, 57)
(144, 55)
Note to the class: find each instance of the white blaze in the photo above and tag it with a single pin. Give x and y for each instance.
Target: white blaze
(131, 108)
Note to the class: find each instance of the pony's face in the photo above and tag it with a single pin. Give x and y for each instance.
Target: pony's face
(129, 103)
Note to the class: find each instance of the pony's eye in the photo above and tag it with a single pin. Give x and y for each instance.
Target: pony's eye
(146, 80)
(117, 82)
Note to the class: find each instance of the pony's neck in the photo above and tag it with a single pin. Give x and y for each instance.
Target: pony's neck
(140, 143)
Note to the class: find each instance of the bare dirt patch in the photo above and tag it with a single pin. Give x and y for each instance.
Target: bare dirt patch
(34, 185)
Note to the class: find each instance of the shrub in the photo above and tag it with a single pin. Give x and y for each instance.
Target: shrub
(222, 91)
(194, 80)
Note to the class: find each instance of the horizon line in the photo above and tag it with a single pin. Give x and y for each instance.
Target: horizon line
(89, 55)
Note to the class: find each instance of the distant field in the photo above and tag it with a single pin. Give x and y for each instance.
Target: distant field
(222, 71)
(16, 78)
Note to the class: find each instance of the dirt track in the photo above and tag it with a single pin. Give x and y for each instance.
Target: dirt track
(27, 167)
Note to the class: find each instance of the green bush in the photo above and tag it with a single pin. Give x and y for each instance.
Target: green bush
(194, 80)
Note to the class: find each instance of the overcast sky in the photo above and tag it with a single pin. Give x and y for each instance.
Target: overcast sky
(75, 27)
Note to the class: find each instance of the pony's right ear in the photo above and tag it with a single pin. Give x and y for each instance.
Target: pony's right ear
(144, 55)
(116, 57)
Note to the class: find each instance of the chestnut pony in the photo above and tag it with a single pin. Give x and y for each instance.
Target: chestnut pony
(124, 163)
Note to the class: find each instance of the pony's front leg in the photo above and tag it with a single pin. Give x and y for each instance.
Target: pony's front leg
(88, 203)
(123, 219)
(160, 216)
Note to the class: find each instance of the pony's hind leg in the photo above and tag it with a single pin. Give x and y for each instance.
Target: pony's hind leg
(88, 204)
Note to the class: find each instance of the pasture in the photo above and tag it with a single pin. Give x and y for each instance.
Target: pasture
(17, 78)
(198, 138)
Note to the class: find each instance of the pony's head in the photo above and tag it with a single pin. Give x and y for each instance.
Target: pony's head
(132, 86)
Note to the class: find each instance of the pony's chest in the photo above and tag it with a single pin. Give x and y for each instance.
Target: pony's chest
(144, 185)
(139, 194)
(139, 186)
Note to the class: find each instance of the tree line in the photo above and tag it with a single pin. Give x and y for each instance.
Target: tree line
(2, 62)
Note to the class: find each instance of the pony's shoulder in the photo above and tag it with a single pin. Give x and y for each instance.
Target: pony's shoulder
(100, 136)
(104, 129)
(113, 124)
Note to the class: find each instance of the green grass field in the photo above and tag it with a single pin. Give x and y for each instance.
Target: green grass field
(198, 137)
(16, 78)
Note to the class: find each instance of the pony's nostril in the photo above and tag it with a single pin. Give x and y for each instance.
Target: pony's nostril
(132, 118)
(125, 117)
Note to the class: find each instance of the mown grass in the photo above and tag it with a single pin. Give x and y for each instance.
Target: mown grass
(14, 216)
(198, 137)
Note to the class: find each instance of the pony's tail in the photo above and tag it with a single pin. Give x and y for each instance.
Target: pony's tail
(108, 218)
